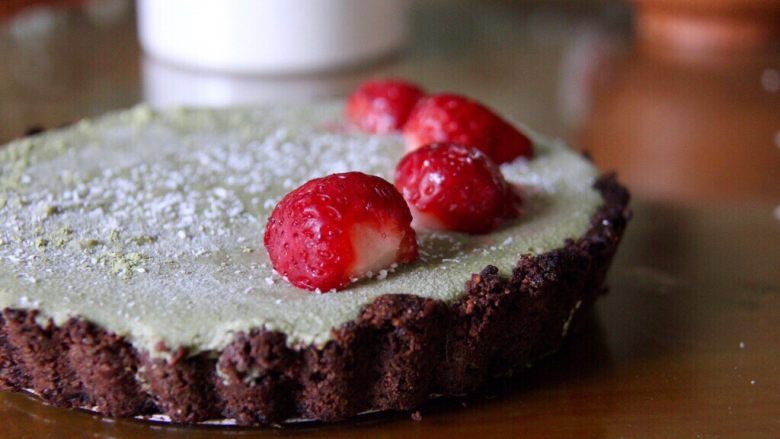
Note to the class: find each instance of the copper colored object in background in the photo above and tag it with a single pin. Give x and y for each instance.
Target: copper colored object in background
(695, 25)
(676, 129)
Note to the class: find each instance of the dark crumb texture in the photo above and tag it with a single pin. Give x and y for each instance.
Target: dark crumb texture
(398, 352)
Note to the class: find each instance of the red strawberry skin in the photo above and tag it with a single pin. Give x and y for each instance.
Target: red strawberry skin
(457, 119)
(332, 230)
(453, 187)
(382, 106)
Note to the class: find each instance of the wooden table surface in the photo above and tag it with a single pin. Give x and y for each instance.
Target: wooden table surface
(686, 344)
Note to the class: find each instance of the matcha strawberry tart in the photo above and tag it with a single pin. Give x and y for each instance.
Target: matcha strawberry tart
(293, 261)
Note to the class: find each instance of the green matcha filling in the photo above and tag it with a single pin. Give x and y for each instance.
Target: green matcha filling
(150, 223)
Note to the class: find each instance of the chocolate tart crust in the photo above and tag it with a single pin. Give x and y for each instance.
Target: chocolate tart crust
(400, 350)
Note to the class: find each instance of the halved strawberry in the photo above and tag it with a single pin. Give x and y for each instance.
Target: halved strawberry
(334, 230)
(457, 119)
(382, 106)
(453, 187)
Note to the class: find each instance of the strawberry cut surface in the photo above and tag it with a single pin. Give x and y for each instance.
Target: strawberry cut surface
(457, 119)
(382, 106)
(453, 187)
(331, 231)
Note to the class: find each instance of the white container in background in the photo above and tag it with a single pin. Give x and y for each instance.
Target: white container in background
(168, 85)
(271, 36)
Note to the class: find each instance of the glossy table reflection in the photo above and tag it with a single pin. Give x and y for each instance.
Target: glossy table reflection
(685, 345)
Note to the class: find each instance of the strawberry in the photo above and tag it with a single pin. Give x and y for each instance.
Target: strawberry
(453, 187)
(457, 119)
(334, 230)
(382, 106)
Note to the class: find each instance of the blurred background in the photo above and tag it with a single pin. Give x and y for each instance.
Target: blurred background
(681, 97)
